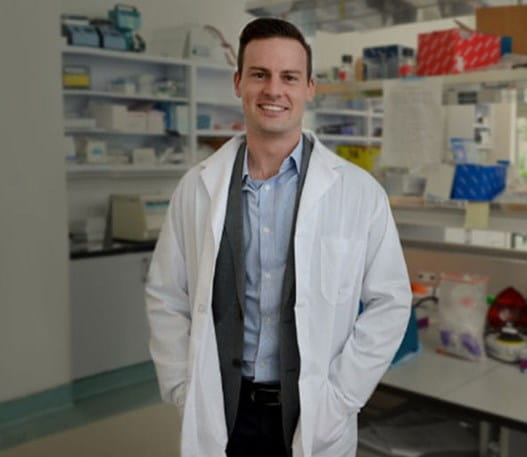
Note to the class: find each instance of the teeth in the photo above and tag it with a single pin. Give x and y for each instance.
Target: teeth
(273, 108)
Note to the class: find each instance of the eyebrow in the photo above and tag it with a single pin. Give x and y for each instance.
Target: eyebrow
(282, 72)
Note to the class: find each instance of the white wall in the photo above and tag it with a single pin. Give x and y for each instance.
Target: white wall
(34, 308)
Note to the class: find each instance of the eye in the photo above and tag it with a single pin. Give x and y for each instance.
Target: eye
(291, 78)
(258, 74)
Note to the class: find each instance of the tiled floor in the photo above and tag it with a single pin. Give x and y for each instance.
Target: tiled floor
(127, 422)
(152, 431)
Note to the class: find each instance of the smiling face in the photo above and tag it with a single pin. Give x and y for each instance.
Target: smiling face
(274, 86)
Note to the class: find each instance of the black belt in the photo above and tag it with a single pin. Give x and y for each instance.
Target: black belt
(261, 394)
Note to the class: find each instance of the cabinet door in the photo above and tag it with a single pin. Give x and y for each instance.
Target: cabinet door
(108, 319)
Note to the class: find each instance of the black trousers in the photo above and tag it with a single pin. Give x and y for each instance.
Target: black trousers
(258, 429)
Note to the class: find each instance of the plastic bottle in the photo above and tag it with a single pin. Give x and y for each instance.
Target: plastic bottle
(407, 65)
(346, 68)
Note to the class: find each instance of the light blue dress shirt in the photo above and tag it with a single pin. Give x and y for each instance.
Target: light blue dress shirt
(268, 208)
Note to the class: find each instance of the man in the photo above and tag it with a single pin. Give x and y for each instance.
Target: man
(268, 248)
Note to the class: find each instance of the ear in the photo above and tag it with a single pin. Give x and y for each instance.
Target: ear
(311, 89)
(236, 81)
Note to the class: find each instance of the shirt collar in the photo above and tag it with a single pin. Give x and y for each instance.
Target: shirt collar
(294, 159)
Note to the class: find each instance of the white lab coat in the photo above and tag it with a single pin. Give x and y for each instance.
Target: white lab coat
(346, 250)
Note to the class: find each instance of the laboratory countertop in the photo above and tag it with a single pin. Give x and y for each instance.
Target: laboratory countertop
(99, 249)
(494, 390)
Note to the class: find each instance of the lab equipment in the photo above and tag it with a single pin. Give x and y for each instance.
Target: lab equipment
(461, 315)
(78, 31)
(505, 345)
(110, 37)
(137, 217)
(127, 20)
(509, 306)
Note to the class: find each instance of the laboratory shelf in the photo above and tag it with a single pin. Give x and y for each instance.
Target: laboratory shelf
(233, 102)
(349, 138)
(217, 133)
(214, 66)
(500, 218)
(75, 171)
(122, 55)
(341, 112)
(118, 96)
(110, 132)
(472, 77)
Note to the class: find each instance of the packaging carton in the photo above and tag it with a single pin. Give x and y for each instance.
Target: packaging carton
(455, 51)
(506, 21)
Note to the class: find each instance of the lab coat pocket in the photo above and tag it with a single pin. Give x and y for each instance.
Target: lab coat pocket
(340, 263)
(332, 420)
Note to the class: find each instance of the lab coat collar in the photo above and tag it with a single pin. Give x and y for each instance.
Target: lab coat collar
(216, 173)
(217, 169)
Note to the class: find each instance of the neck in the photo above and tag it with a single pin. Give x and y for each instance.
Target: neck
(267, 154)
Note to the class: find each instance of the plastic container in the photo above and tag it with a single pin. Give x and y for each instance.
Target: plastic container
(407, 63)
(346, 68)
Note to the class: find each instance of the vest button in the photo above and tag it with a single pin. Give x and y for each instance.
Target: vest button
(237, 363)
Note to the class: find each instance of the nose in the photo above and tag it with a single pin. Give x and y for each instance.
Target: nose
(273, 86)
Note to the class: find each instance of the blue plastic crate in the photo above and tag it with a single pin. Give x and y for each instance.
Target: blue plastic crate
(478, 182)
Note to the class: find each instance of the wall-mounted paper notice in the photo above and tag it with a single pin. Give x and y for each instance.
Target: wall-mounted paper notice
(477, 215)
(413, 123)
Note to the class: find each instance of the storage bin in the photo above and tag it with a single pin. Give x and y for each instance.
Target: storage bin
(478, 182)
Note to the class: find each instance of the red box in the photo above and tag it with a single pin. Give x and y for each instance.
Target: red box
(455, 51)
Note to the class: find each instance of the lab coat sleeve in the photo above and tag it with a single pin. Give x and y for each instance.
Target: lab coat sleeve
(379, 329)
(168, 305)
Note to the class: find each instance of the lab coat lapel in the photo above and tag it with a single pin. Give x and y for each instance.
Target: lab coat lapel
(216, 175)
(320, 176)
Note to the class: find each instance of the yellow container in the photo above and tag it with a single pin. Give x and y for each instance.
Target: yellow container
(76, 77)
(363, 156)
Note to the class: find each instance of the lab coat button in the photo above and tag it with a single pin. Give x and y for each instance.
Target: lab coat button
(300, 304)
(202, 309)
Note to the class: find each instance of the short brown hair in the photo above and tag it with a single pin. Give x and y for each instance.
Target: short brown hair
(269, 27)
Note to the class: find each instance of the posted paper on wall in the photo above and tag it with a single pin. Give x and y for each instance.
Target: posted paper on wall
(413, 123)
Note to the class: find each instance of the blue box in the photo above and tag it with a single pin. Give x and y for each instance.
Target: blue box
(478, 182)
(203, 122)
(382, 62)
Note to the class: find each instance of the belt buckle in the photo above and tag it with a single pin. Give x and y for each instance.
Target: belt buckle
(276, 393)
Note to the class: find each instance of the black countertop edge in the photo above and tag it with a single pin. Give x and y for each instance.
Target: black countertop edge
(115, 249)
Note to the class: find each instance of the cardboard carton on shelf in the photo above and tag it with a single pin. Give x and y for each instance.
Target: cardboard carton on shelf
(505, 21)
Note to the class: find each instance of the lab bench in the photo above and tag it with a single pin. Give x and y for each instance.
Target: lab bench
(109, 329)
(491, 392)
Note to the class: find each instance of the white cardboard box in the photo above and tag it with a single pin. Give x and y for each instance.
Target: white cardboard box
(111, 117)
(136, 121)
(155, 122)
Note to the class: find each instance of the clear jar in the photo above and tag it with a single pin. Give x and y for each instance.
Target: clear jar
(346, 68)
(407, 64)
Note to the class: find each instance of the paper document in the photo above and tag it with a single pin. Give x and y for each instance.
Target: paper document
(413, 134)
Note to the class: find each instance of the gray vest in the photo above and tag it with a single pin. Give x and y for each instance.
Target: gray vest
(228, 304)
